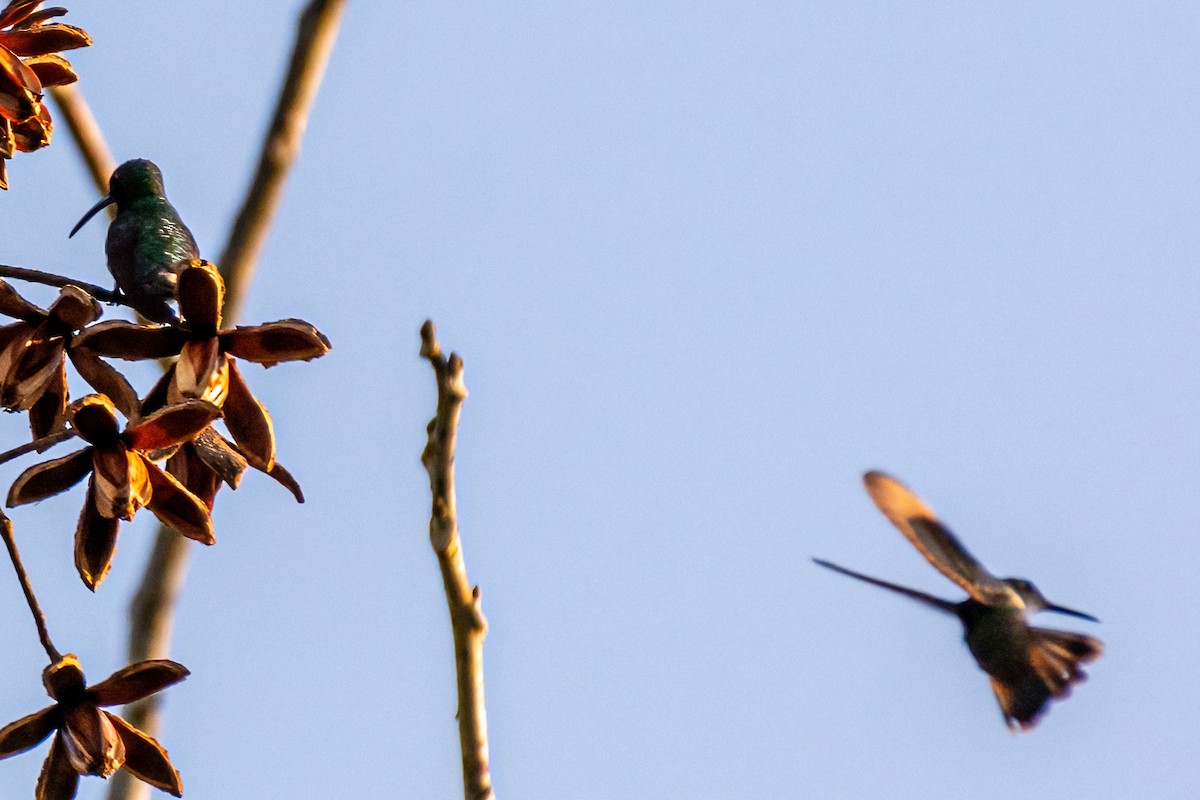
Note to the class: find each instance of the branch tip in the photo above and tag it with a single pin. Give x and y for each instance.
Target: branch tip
(39, 445)
(467, 622)
(430, 349)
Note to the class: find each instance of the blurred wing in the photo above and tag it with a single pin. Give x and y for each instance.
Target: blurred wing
(921, 526)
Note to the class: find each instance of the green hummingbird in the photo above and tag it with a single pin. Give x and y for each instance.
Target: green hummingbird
(1027, 666)
(148, 244)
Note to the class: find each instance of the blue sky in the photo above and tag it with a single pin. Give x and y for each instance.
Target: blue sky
(706, 263)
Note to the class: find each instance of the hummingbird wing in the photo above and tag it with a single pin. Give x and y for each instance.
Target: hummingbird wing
(927, 599)
(164, 246)
(921, 526)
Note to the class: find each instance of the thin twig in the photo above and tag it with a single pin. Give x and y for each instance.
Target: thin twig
(39, 445)
(87, 135)
(50, 279)
(39, 619)
(151, 611)
(466, 616)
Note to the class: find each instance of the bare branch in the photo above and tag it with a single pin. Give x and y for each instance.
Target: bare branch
(37, 445)
(39, 619)
(50, 279)
(152, 609)
(151, 619)
(315, 35)
(87, 135)
(466, 616)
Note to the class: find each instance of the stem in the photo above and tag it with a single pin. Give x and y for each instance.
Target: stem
(50, 279)
(87, 135)
(40, 445)
(316, 32)
(39, 619)
(466, 616)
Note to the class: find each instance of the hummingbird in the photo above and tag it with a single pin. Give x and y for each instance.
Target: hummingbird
(1027, 666)
(148, 244)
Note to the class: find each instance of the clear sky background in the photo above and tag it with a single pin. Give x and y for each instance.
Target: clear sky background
(706, 263)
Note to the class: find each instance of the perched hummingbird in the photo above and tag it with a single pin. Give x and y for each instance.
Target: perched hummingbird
(148, 244)
(1027, 666)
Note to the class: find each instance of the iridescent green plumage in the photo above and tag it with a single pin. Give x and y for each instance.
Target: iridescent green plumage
(148, 244)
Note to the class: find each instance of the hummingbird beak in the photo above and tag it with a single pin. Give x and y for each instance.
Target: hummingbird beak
(1070, 612)
(107, 200)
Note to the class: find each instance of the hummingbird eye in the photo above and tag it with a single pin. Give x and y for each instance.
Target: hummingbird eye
(1025, 585)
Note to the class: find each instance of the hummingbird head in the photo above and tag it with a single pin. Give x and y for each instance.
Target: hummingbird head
(1036, 601)
(134, 179)
(130, 181)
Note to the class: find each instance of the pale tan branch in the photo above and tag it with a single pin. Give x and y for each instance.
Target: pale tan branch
(466, 616)
(151, 618)
(86, 132)
(315, 35)
(152, 609)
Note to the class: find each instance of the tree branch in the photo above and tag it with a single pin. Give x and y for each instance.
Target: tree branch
(50, 279)
(153, 606)
(39, 445)
(466, 617)
(315, 35)
(39, 618)
(87, 135)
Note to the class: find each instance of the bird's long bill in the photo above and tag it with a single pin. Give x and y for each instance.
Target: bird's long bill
(927, 599)
(1070, 612)
(104, 201)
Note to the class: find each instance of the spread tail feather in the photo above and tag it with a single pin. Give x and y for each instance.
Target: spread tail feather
(1053, 668)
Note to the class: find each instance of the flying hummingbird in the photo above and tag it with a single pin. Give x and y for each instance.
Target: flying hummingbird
(1027, 666)
(148, 244)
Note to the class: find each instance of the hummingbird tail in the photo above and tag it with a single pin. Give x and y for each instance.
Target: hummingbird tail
(922, 597)
(1053, 668)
